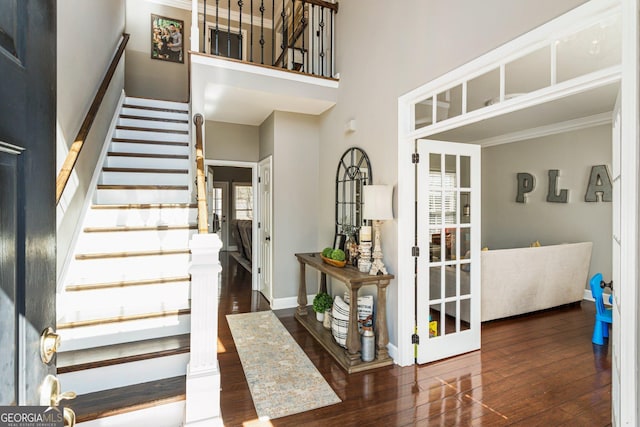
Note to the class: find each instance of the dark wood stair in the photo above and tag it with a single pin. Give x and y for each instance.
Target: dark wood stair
(153, 119)
(142, 129)
(159, 109)
(148, 141)
(121, 400)
(122, 318)
(124, 284)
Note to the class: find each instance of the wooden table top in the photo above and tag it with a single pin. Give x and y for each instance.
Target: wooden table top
(347, 274)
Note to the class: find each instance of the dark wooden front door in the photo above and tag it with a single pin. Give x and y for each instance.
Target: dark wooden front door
(27, 194)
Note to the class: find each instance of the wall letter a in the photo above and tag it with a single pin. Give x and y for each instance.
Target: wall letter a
(599, 182)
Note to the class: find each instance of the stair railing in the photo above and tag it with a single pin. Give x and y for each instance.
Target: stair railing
(300, 33)
(74, 151)
(203, 219)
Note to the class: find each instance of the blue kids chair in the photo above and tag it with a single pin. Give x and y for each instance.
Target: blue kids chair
(603, 315)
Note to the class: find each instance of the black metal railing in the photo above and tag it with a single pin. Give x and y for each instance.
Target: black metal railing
(291, 34)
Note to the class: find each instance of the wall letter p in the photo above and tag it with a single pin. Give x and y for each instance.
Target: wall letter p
(526, 183)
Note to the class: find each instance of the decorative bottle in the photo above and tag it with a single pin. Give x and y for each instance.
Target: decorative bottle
(368, 349)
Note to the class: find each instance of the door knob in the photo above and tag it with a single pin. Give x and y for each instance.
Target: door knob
(49, 343)
(50, 396)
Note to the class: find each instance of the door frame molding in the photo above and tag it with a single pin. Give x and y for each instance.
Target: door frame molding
(269, 161)
(256, 203)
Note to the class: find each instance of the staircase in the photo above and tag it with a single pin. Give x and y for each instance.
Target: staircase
(125, 307)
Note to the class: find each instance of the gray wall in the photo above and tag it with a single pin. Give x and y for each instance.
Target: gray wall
(507, 224)
(153, 78)
(436, 37)
(229, 141)
(88, 34)
(231, 174)
(267, 137)
(295, 199)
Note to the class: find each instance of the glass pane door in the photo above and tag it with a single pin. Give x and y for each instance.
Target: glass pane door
(448, 224)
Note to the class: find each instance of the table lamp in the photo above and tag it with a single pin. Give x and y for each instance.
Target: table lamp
(377, 207)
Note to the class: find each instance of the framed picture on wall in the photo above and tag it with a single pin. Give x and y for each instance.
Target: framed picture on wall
(167, 36)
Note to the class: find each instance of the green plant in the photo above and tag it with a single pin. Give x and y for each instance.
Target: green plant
(326, 252)
(338, 255)
(322, 302)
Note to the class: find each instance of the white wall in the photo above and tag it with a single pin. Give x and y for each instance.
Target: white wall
(422, 40)
(88, 34)
(507, 224)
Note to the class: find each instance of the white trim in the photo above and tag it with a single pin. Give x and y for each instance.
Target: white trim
(212, 61)
(288, 302)
(574, 86)
(91, 194)
(254, 184)
(235, 16)
(393, 351)
(266, 161)
(626, 292)
(553, 129)
(588, 297)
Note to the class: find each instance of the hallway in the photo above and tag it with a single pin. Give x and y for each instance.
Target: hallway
(540, 369)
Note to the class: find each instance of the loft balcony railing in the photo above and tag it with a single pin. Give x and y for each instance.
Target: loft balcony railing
(296, 35)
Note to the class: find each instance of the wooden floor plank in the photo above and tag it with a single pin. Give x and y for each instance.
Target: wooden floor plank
(539, 369)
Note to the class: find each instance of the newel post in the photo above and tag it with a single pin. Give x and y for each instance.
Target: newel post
(203, 374)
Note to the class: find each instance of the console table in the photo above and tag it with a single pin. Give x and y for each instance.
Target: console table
(349, 359)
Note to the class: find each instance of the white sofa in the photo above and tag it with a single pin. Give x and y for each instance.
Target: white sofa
(522, 280)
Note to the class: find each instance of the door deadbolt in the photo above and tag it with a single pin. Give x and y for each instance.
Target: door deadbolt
(49, 343)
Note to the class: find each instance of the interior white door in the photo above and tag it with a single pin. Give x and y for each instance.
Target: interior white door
(448, 235)
(220, 213)
(616, 266)
(265, 227)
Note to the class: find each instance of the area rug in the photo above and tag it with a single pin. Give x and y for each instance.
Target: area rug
(282, 379)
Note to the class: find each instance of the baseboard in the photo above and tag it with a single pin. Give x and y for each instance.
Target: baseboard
(588, 297)
(290, 302)
(393, 352)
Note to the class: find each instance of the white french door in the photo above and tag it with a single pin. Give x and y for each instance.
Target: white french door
(265, 228)
(448, 232)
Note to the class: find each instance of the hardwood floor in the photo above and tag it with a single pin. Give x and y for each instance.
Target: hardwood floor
(535, 370)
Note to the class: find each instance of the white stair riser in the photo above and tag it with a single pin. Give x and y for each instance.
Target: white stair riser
(154, 114)
(140, 217)
(125, 374)
(155, 103)
(118, 333)
(116, 241)
(116, 309)
(150, 135)
(131, 268)
(154, 124)
(168, 415)
(132, 147)
(146, 162)
(110, 197)
(143, 297)
(143, 178)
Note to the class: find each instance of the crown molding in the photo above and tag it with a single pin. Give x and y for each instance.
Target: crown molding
(556, 128)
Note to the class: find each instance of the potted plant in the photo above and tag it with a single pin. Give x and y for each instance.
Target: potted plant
(321, 302)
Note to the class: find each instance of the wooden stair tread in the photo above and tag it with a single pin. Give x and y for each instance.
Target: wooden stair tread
(125, 283)
(97, 357)
(141, 187)
(159, 109)
(148, 206)
(121, 400)
(149, 155)
(143, 170)
(122, 318)
(105, 255)
(153, 119)
(117, 229)
(149, 141)
(143, 129)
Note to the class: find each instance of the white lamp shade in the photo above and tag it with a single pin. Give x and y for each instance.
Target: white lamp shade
(377, 202)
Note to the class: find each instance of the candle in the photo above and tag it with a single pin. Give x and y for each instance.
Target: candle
(365, 233)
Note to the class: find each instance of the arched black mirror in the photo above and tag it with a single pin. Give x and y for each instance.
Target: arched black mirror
(354, 172)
